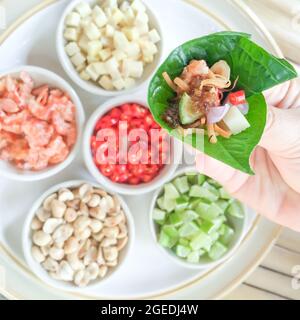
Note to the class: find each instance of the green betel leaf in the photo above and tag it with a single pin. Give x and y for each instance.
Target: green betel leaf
(257, 70)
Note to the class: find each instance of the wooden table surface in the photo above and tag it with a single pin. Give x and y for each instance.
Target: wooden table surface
(274, 277)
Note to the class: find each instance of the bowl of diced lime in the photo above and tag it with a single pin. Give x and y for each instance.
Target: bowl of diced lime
(195, 221)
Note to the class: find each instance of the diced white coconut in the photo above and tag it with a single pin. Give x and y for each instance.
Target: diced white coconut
(84, 75)
(73, 19)
(124, 6)
(141, 18)
(112, 68)
(106, 83)
(109, 30)
(100, 68)
(120, 40)
(131, 68)
(236, 121)
(104, 54)
(132, 34)
(72, 48)
(129, 17)
(148, 59)
(78, 59)
(92, 59)
(90, 70)
(138, 6)
(119, 55)
(92, 31)
(154, 36)
(70, 34)
(83, 42)
(81, 67)
(119, 84)
(133, 50)
(99, 17)
(129, 83)
(117, 16)
(94, 48)
(84, 9)
(148, 48)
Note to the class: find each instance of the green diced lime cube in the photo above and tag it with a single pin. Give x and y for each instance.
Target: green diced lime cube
(200, 178)
(176, 218)
(158, 214)
(202, 192)
(227, 234)
(182, 251)
(184, 242)
(201, 241)
(235, 209)
(223, 204)
(170, 191)
(214, 236)
(189, 215)
(214, 183)
(192, 177)
(224, 194)
(188, 229)
(168, 236)
(194, 204)
(182, 203)
(209, 212)
(169, 204)
(182, 184)
(160, 203)
(193, 257)
(211, 188)
(217, 251)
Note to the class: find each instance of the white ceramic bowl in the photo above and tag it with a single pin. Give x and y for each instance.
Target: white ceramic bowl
(239, 226)
(40, 272)
(43, 76)
(89, 85)
(165, 174)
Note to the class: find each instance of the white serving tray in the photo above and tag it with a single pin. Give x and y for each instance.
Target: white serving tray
(148, 273)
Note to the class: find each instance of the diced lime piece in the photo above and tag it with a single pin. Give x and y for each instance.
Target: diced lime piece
(217, 251)
(194, 204)
(189, 215)
(160, 222)
(168, 236)
(223, 204)
(209, 212)
(202, 192)
(182, 251)
(182, 202)
(211, 226)
(235, 209)
(182, 184)
(188, 229)
(170, 191)
(202, 208)
(158, 214)
(224, 194)
(184, 242)
(201, 241)
(160, 203)
(169, 204)
(227, 234)
(201, 178)
(194, 256)
(214, 183)
(211, 188)
(214, 236)
(176, 218)
(192, 177)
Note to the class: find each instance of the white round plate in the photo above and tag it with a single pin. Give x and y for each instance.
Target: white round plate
(148, 274)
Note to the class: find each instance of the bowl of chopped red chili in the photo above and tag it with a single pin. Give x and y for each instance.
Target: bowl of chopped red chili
(125, 149)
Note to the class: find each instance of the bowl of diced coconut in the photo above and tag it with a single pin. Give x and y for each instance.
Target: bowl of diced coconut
(109, 48)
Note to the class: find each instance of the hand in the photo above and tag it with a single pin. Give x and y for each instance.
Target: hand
(274, 191)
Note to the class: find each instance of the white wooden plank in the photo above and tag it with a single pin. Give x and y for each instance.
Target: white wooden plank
(245, 292)
(290, 240)
(282, 260)
(273, 282)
